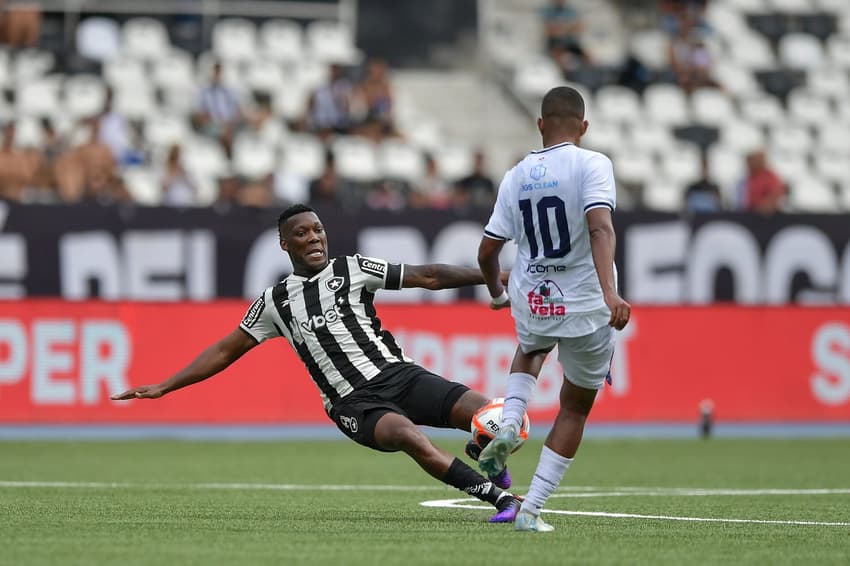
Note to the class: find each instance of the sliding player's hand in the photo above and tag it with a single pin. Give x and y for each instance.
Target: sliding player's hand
(143, 392)
(500, 306)
(620, 311)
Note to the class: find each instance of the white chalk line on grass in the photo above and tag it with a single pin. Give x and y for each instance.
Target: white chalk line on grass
(460, 504)
(217, 486)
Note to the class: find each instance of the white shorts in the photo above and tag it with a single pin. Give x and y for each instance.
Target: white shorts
(586, 360)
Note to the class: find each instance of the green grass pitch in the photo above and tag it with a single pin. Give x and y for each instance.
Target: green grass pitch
(333, 502)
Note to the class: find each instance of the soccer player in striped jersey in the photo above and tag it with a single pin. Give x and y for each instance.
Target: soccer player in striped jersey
(556, 204)
(374, 394)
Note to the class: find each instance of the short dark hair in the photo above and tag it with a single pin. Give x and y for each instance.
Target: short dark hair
(562, 102)
(289, 213)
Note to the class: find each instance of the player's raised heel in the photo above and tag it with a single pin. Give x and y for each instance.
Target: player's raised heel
(507, 512)
(527, 522)
(495, 454)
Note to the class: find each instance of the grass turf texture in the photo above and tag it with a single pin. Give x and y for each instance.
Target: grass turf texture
(160, 515)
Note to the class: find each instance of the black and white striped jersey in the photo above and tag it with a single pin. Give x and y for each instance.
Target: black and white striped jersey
(330, 321)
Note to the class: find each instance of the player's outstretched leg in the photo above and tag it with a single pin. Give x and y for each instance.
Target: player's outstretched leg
(495, 455)
(502, 479)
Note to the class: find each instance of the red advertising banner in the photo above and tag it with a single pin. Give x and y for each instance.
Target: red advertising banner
(60, 361)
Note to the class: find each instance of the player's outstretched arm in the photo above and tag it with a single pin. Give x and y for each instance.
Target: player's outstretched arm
(436, 276)
(603, 241)
(211, 361)
(488, 261)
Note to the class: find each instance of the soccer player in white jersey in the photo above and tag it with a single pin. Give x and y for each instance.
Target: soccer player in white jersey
(556, 204)
(373, 393)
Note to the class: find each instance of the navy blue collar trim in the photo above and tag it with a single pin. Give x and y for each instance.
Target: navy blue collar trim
(551, 147)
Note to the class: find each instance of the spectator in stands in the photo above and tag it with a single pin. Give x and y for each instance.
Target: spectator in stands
(331, 190)
(90, 172)
(563, 26)
(257, 193)
(761, 190)
(690, 59)
(386, 195)
(433, 191)
(20, 24)
(117, 134)
(17, 167)
(703, 196)
(476, 189)
(329, 108)
(219, 111)
(178, 189)
(54, 145)
(377, 98)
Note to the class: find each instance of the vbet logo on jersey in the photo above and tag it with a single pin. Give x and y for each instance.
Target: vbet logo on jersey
(543, 303)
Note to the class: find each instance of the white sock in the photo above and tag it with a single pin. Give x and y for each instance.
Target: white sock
(519, 390)
(550, 470)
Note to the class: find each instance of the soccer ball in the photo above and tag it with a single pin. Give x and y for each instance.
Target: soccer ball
(485, 423)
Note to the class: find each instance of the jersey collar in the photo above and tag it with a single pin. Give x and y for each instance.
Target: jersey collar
(551, 147)
(315, 276)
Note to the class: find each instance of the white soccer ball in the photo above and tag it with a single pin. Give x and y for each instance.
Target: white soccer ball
(485, 423)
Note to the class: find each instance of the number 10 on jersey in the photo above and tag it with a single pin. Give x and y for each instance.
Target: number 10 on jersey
(544, 205)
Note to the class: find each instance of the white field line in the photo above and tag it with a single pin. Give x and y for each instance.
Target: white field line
(459, 504)
(217, 486)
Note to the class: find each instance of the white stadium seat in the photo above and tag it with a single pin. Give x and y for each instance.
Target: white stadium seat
(603, 135)
(28, 132)
(711, 106)
(664, 194)
(31, 64)
(741, 136)
(829, 81)
(265, 75)
(175, 70)
(789, 164)
(39, 97)
(143, 183)
(290, 103)
(162, 130)
(99, 38)
(634, 165)
(356, 158)
(619, 104)
(400, 160)
(833, 166)
(454, 161)
(204, 158)
(838, 47)
(810, 194)
(533, 77)
(303, 155)
(735, 79)
(751, 51)
(125, 73)
(800, 51)
(332, 42)
(282, 40)
(682, 163)
(807, 107)
(666, 104)
(790, 137)
(844, 195)
(762, 110)
(253, 157)
(834, 136)
(145, 38)
(651, 136)
(650, 47)
(85, 95)
(726, 167)
(793, 6)
(234, 39)
(135, 102)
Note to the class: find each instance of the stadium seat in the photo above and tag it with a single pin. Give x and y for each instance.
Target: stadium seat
(290, 103)
(304, 155)
(6, 79)
(231, 74)
(31, 64)
(651, 136)
(619, 104)
(681, 164)
(820, 25)
(162, 130)
(751, 51)
(39, 97)
(454, 161)
(844, 195)
(399, 160)
(741, 136)
(28, 132)
(266, 76)
(84, 95)
(99, 39)
(726, 167)
(534, 77)
(143, 183)
(791, 137)
(711, 106)
(833, 136)
(135, 102)
(204, 158)
(179, 101)
(810, 194)
(282, 40)
(800, 51)
(234, 39)
(332, 42)
(771, 25)
(666, 104)
(832, 165)
(356, 158)
(125, 73)
(634, 166)
(780, 82)
(145, 38)
(651, 48)
(253, 157)
(750, 6)
(807, 107)
(838, 47)
(761, 110)
(726, 19)
(310, 73)
(789, 164)
(832, 6)
(176, 70)
(603, 135)
(829, 81)
(734, 79)
(425, 133)
(664, 195)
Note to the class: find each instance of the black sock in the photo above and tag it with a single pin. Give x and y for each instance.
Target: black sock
(469, 481)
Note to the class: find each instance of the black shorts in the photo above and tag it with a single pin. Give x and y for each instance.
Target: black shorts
(406, 389)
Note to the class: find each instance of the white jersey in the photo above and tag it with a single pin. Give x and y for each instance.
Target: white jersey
(542, 203)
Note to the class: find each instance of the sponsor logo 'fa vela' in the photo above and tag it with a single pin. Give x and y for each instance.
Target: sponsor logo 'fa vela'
(547, 299)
